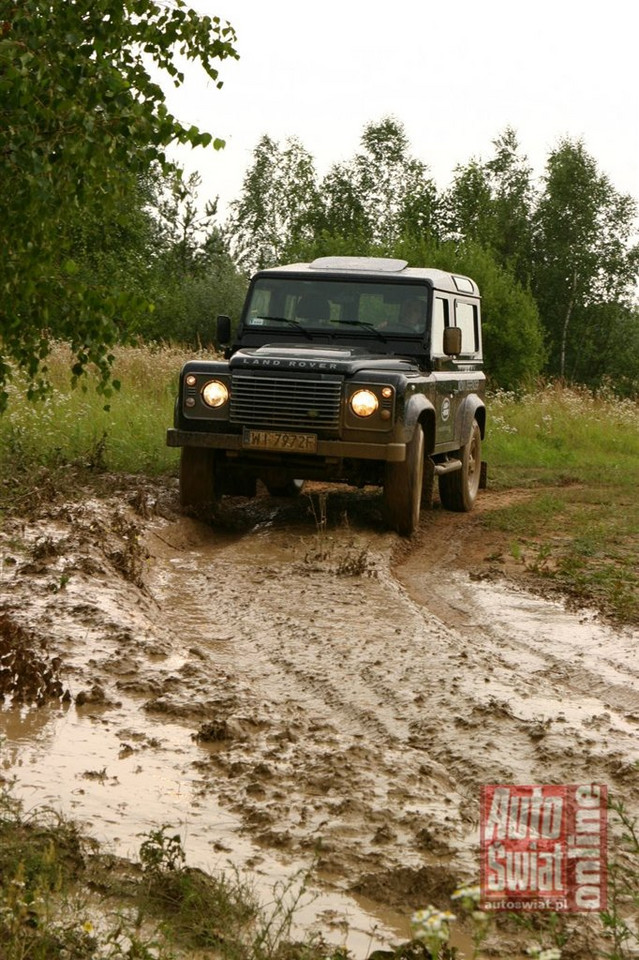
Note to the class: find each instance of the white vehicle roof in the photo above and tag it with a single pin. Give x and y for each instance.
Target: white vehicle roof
(381, 268)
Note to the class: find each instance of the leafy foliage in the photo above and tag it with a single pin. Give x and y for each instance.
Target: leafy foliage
(491, 203)
(83, 122)
(161, 852)
(382, 194)
(277, 206)
(584, 266)
(190, 274)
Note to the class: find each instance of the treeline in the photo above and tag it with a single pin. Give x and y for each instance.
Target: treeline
(554, 258)
(171, 255)
(103, 239)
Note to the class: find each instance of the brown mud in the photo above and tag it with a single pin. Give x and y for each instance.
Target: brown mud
(291, 686)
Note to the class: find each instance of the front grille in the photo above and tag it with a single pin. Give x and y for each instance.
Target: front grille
(285, 403)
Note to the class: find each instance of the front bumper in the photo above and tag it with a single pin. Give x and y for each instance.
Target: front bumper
(394, 452)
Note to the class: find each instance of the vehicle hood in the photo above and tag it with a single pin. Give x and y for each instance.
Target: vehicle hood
(320, 358)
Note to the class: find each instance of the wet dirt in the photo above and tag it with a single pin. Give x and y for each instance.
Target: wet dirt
(292, 687)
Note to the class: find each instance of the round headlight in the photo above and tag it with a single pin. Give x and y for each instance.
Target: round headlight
(364, 403)
(215, 393)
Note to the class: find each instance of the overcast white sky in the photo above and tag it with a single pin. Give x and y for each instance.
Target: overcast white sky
(455, 74)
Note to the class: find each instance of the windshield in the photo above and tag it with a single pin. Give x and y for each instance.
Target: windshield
(381, 310)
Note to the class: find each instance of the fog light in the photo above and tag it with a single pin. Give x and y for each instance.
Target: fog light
(364, 403)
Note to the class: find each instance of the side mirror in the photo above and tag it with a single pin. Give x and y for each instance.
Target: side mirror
(223, 330)
(452, 341)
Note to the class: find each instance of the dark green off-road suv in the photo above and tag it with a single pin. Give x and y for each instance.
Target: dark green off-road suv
(353, 369)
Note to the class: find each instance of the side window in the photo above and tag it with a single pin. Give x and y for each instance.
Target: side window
(466, 320)
(440, 320)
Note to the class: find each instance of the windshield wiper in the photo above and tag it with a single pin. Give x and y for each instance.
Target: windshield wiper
(365, 323)
(292, 323)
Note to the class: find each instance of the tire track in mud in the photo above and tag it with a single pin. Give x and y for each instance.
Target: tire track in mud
(320, 663)
(348, 717)
(395, 716)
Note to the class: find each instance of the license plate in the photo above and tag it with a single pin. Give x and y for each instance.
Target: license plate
(274, 440)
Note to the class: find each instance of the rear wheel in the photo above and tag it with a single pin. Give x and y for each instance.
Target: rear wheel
(458, 490)
(235, 485)
(403, 487)
(197, 477)
(290, 488)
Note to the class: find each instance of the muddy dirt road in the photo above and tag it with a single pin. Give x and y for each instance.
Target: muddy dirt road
(293, 685)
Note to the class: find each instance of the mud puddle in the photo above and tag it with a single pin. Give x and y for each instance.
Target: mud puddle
(290, 686)
(120, 789)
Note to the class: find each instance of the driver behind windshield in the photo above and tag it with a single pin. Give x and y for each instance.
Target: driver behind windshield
(412, 315)
(411, 319)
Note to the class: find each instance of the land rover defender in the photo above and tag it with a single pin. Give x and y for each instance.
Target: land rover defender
(359, 370)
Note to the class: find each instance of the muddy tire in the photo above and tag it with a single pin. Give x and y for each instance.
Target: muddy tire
(458, 490)
(428, 484)
(197, 477)
(403, 487)
(292, 488)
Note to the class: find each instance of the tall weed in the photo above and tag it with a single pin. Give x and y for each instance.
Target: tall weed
(72, 425)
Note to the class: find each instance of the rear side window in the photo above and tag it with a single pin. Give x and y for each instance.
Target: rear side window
(440, 320)
(466, 320)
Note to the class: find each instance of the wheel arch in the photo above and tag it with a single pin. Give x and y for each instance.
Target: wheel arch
(472, 408)
(419, 410)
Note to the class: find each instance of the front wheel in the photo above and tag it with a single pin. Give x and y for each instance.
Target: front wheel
(403, 487)
(458, 490)
(198, 486)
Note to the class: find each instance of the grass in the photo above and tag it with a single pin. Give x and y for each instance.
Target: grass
(63, 899)
(577, 456)
(563, 434)
(56, 446)
(38, 856)
(72, 426)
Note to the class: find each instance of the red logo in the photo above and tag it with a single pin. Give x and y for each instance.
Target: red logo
(543, 847)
